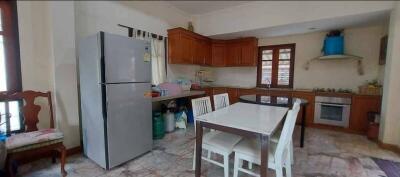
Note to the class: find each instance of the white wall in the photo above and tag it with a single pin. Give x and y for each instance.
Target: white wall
(390, 123)
(49, 32)
(264, 14)
(152, 17)
(65, 79)
(35, 51)
(363, 42)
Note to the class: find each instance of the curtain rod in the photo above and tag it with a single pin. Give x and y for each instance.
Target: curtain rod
(139, 32)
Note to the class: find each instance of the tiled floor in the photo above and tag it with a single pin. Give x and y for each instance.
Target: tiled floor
(327, 153)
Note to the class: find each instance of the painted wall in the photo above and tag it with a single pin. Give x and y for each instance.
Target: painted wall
(35, 51)
(65, 80)
(390, 124)
(363, 42)
(90, 19)
(264, 14)
(49, 32)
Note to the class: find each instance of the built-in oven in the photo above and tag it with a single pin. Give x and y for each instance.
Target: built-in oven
(332, 111)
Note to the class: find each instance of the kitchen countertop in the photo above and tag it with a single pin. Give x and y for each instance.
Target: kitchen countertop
(183, 94)
(291, 89)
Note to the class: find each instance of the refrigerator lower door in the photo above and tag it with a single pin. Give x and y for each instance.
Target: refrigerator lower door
(129, 121)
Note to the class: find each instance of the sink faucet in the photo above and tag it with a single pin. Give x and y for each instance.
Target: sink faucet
(268, 83)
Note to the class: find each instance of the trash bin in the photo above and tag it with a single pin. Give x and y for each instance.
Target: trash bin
(158, 125)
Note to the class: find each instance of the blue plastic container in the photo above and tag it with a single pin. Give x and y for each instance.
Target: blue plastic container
(334, 45)
(190, 116)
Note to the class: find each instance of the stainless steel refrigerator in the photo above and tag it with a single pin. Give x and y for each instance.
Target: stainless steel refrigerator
(115, 75)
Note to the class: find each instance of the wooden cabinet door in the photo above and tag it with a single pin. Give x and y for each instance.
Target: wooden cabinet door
(310, 97)
(233, 95)
(360, 106)
(199, 56)
(233, 53)
(207, 51)
(218, 90)
(249, 52)
(218, 54)
(187, 47)
(174, 51)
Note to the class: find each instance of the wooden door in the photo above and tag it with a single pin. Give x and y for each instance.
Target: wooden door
(174, 51)
(199, 52)
(218, 52)
(233, 95)
(233, 53)
(360, 106)
(207, 50)
(187, 46)
(249, 52)
(310, 97)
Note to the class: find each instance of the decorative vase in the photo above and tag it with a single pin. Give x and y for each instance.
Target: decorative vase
(190, 26)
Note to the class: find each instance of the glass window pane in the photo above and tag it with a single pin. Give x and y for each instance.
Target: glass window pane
(266, 72)
(15, 119)
(3, 81)
(284, 53)
(283, 72)
(3, 117)
(267, 55)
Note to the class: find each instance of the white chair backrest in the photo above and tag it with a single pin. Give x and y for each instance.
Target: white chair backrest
(221, 101)
(287, 131)
(201, 106)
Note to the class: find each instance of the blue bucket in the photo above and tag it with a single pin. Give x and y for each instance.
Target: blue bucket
(334, 45)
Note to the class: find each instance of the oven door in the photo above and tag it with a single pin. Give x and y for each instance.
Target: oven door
(332, 114)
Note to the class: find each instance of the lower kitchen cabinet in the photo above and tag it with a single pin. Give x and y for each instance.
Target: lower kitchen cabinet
(360, 106)
(310, 97)
(233, 95)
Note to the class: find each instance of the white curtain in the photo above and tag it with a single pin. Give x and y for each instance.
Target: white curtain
(157, 58)
(158, 61)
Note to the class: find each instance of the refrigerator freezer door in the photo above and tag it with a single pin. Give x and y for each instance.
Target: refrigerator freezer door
(129, 121)
(126, 59)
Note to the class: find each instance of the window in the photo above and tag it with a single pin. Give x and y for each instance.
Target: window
(275, 66)
(10, 69)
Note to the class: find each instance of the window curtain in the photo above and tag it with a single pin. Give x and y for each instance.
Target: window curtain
(157, 57)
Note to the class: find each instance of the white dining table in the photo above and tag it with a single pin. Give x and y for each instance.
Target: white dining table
(244, 119)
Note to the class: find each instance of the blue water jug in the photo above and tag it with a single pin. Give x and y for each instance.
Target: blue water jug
(334, 45)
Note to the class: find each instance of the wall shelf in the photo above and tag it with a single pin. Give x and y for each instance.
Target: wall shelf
(360, 68)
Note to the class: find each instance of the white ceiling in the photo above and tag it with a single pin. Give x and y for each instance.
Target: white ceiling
(202, 7)
(375, 18)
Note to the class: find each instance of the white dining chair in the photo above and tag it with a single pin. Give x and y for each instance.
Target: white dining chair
(279, 154)
(214, 141)
(221, 101)
(277, 134)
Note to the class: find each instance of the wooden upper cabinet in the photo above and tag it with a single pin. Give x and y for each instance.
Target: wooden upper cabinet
(199, 57)
(181, 46)
(233, 53)
(218, 53)
(186, 47)
(249, 52)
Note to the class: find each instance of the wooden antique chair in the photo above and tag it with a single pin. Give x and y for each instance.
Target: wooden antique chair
(33, 141)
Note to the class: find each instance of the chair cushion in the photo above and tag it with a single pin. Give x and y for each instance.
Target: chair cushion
(223, 141)
(30, 140)
(252, 148)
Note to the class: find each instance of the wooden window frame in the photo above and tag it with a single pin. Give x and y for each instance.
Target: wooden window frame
(9, 19)
(11, 45)
(275, 64)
